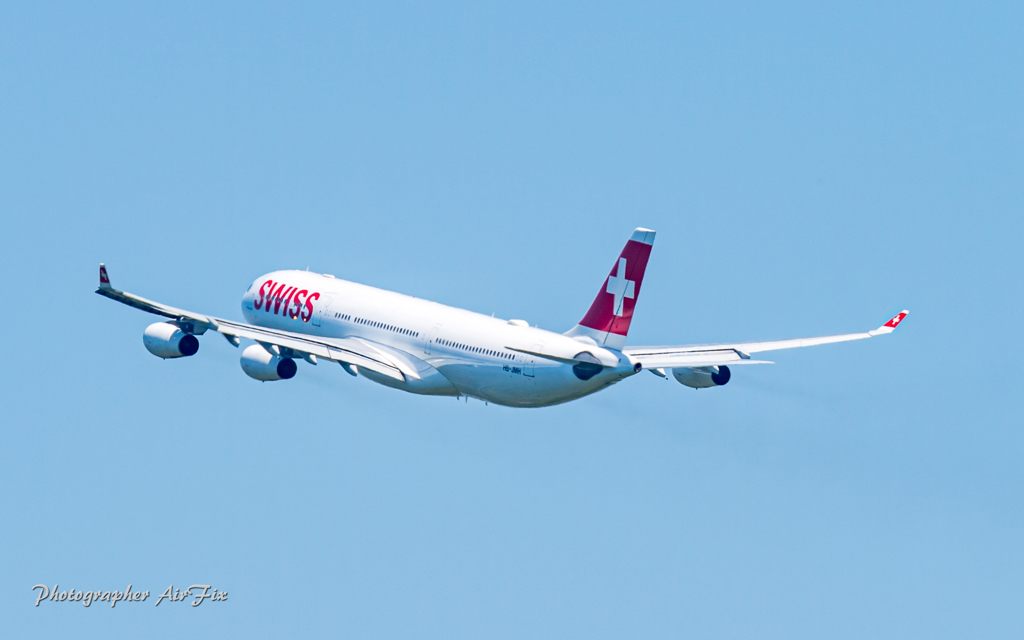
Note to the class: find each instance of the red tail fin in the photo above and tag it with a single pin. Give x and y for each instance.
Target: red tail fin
(607, 321)
(104, 278)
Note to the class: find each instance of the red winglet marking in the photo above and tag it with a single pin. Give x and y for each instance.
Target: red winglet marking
(896, 320)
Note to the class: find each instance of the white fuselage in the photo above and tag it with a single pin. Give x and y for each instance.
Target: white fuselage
(456, 352)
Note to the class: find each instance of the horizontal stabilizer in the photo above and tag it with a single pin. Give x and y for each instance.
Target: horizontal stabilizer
(548, 356)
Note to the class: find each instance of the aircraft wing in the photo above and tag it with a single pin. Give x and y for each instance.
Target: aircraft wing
(346, 350)
(705, 355)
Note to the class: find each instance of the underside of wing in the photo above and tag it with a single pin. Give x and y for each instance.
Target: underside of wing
(668, 358)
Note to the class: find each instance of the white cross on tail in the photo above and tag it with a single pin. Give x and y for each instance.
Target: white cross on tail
(619, 287)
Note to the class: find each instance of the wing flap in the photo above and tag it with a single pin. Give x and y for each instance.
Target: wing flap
(347, 350)
(669, 360)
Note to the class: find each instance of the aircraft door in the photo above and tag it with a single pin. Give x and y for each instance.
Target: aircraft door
(430, 339)
(530, 360)
(320, 310)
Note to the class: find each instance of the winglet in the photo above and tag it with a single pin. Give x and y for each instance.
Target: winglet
(104, 278)
(888, 327)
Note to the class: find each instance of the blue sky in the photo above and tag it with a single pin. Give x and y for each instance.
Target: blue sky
(809, 170)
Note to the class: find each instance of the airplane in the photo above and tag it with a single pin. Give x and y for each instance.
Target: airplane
(428, 348)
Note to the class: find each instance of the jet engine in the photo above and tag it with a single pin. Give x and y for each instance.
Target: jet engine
(702, 377)
(260, 364)
(587, 367)
(167, 340)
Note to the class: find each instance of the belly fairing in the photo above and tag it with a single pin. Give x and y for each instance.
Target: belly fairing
(550, 385)
(431, 382)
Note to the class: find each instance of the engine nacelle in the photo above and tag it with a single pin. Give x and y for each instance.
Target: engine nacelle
(260, 364)
(166, 340)
(702, 377)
